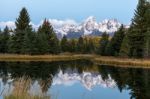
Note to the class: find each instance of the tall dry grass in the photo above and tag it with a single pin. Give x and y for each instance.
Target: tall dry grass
(21, 90)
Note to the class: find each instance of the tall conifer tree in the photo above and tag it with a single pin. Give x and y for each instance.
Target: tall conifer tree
(138, 31)
(80, 45)
(22, 27)
(51, 38)
(114, 46)
(64, 44)
(103, 43)
(4, 38)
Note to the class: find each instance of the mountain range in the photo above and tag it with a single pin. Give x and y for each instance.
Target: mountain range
(88, 27)
(72, 29)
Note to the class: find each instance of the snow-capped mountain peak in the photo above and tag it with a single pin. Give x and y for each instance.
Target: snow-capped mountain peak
(109, 26)
(73, 29)
(89, 27)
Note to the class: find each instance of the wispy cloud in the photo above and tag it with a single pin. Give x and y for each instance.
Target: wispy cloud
(10, 24)
(59, 23)
(55, 23)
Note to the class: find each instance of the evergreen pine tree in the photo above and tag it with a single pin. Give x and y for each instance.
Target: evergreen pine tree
(91, 46)
(109, 49)
(72, 45)
(29, 42)
(22, 22)
(80, 45)
(125, 47)
(147, 26)
(64, 44)
(138, 31)
(11, 44)
(86, 47)
(116, 41)
(42, 46)
(22, 27)
(53, 42)
(147, 44)
(4, 37)
(103, 43)
(0, 40)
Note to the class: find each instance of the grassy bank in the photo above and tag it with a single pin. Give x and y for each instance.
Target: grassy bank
(62, 57)
(123, 62)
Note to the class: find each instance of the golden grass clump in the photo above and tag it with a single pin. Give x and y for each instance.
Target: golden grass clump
(21, 90)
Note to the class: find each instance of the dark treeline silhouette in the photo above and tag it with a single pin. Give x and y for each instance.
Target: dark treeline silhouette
(131, 42)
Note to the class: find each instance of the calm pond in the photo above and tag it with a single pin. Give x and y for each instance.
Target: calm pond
(80, 79)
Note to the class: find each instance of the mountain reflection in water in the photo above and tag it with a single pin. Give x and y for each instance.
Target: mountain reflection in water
(46, 77)
(87, 79)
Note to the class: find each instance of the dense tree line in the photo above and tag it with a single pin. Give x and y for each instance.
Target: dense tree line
(25, 40)
(131, 42)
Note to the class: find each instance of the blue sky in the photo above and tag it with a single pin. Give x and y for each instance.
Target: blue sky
(123, 10)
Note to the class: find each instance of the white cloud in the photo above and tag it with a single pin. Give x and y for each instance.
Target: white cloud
(34, 25)
(59, 23)
(55, 23)
(10, 24)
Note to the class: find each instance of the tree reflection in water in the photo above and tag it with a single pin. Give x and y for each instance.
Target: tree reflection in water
(22, 76)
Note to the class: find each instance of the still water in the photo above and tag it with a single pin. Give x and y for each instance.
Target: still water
(80, 79)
